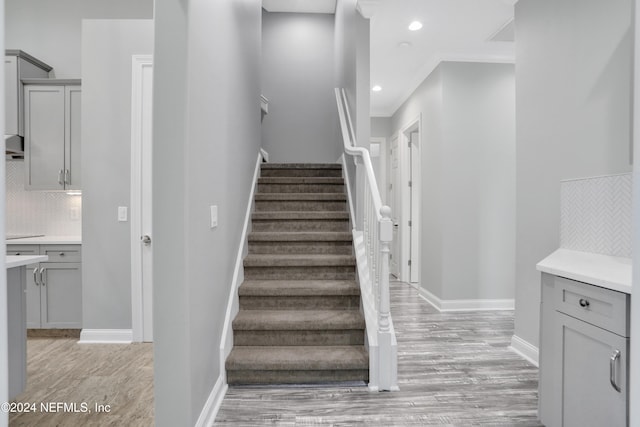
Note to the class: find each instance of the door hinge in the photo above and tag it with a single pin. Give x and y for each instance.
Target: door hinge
(390, 257)
(390, 186)
(410, 184)
(409, 262)
(409, 223)
(409, 143)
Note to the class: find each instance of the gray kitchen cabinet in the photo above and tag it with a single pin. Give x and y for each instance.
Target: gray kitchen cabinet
(53, 288)
(52, 134)
(18, 65)
(584, 354)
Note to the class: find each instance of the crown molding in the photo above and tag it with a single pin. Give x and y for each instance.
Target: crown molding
(367, 8)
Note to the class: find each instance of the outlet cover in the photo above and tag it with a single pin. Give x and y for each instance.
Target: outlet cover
(122, 213)
(214, 216)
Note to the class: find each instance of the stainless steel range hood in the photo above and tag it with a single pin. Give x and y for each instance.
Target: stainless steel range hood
(14, 147)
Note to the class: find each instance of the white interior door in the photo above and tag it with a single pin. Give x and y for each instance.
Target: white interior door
(414, 138)
(141, 201)
(394, 204)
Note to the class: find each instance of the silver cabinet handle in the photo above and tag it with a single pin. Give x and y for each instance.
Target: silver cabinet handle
(584, 302)
(60, 181)
(61, 254)
(35, 276)
(613, 371)
(67, 179)
(42, 282)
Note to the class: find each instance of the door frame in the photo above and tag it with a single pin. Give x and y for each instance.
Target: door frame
(410, 200)
(394, 201)
(141, 293)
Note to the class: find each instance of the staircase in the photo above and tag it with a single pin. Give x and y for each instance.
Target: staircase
(299, 320)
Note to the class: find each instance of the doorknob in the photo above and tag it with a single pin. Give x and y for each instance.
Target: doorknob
(146, 239)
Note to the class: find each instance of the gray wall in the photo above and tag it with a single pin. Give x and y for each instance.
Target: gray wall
(297, 78)
(207, 137)
(107, 46)
(573, 107)
(50, 30)
(468, 179)
(381, 127)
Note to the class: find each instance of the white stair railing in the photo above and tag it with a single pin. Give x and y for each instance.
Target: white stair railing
(372, 243)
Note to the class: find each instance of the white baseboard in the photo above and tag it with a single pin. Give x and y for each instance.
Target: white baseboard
(525, 349)
(212, 405)
(466, 304)
(106, 336)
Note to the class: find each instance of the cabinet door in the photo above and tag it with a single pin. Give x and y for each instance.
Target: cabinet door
(61, 295)
(72, 137)
(33, 296)
(11, 95)
(585, 370)
(44, 137)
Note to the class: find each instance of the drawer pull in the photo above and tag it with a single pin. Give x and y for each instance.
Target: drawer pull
(61, 254)
(17, 253)
(584, 302)
(613, 370)
(35, 276)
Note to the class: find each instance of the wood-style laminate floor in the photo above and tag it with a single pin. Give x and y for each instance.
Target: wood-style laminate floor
(454, 369)
(59, 371)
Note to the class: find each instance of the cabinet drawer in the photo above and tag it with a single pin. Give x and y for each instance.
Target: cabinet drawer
(62, 253)
(598, 306)
(22, 250)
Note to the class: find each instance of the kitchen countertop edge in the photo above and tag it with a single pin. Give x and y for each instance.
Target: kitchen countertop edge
(47, 240)
(13, 261)
(596, 269)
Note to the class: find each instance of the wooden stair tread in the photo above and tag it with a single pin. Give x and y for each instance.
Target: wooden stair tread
(298, 288)
(298, 320)
(288, 236)
(297, 358)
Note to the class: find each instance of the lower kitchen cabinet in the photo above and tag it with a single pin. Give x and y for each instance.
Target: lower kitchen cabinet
(54, 288)
(584, 355)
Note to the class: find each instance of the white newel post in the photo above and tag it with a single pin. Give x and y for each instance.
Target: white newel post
(387, 365)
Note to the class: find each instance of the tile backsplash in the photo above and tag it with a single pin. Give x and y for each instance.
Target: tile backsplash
(39, 212)
(596, 215)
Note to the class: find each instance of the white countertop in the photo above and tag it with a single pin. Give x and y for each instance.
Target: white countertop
(601, 270)
(21, 260)
(47, 240)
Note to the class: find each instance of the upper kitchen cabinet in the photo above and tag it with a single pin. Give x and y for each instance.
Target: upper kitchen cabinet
(18, 65)
(52, 134)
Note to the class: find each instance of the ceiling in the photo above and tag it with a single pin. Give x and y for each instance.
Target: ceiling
(459, 30)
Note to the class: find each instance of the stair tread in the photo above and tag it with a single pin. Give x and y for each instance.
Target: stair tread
(292, 236)
(297, 358)
(298, 320)
(296, 180)
(313, 197)
(292, 260)
(301, 215)
(298, 288)
(301, 166)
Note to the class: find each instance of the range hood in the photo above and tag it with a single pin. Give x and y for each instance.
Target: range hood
(14, 147)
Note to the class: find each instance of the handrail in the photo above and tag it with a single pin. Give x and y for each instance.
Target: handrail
(376, 236)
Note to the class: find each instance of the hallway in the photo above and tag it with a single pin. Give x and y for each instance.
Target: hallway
(453, 369)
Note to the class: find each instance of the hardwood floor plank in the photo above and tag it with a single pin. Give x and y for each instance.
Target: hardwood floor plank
(453, 369)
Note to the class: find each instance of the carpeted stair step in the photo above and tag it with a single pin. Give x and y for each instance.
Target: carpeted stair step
(299, 267)
(300, 243)
(300, 185)
(300, 202)
(284, 221)
(298, 327)
(295, 365)
(301, 169)
(299, 295)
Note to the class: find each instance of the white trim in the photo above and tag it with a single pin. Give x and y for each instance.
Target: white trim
(264, 104)
(466, 304)
(367, 8)
(106, 336)
(226, 341)
(265, 155)
(212, 405)
(138, 64)
(525, 349)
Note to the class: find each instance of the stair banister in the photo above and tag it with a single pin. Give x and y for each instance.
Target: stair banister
(373, 268)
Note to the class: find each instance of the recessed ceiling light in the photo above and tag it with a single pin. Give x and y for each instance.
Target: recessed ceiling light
(404, 44)
(415, 26)
(376, 88)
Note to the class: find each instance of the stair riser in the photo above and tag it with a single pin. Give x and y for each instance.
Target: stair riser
(328, 302)
(300, 273)
(300, 188)
(300, 225)
(295, 377)
(299, 205)
(318, 173)
(293, 338)
(312, 248)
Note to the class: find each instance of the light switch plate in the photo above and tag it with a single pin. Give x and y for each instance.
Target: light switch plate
(74, 213)
(122, 213)
(214, 216)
